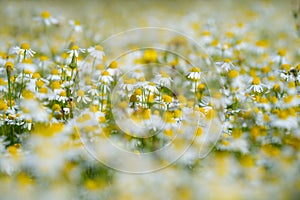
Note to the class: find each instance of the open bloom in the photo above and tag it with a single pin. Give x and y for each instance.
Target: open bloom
(96, 52)
(163, 79)
(47, 19)
(194, 74)
(113, 69)
(106, 78)
(75, 50)
(75, 24)
(257, 86)
(151, 88)
(23, 51)
(225, 66)
(81, 96)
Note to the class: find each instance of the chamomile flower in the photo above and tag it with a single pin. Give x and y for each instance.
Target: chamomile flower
(113, 69)
(281, 57)
(151, 88)
(27, 65)
(257, 86)
(194, 74)
(62, 96)
(129, 84)
(225, 66)
(46, 18)
(81, 96)
(93, 90)
(106, 78)
(74, 51)
(284, 120)
(163, 79)
(104, 88)
(76, 25)
(23, 51)
(96, 52)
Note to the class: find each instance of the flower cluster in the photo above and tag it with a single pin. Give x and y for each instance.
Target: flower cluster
(64, 100)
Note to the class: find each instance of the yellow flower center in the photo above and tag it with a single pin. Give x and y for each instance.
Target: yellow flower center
(286, 67)
(276, 87)
(195, 69)
(56, 107)
(168, 132)
(150, 55)
(206, 33)
(3, 105)
(36, 75)
(39, 83)
(25, 46)
(63, 93)
(105, 73)
(256, 81)
(273, 99)
(45, 14)
(55, 85)
(167, 98)
(168, 117)
(262, 43)
(164, 74)
(283, 114)
(27, 71)
(43, 58)
(43, 90)
(64, 55)
(266, 69)
(80, 93)
(54, 72)
(113, 65)
(74, 47)
(282, 52)
(77, 23)
(233, 74)
(138, 91)
(288, 99)
(227, 60)
(27, 94)
(9, 65)
(99, 47)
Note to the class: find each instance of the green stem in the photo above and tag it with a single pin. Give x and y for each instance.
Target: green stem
(22, 80)
(9, 89)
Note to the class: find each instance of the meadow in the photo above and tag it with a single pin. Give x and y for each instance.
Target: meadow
(150, 99)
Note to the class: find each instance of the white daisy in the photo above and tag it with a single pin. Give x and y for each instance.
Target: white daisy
(75, 50)
(257, 86)
(194, 74)
(151, 88)
(96, 52)
(76, 25)
(93, 90)
(225, 66)
(128, 85)
(106, 78)
(163, 79)
(47, 19)
(62, 96)
(81, 96)
(104, 88)
(23, 51)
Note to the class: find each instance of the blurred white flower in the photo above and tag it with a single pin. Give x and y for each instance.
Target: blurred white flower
(76, 25)
(96, 52)
(81, 96)
(106, 78)
(46, 18)
(75, 50)
(194, 74)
